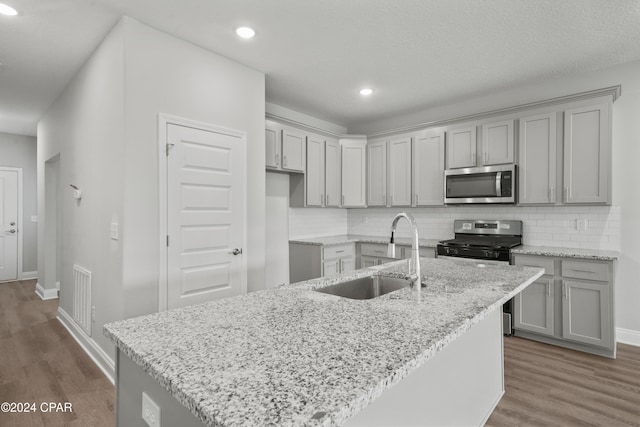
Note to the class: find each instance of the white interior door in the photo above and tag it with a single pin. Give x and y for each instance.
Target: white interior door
(8, 225)
(205, 215)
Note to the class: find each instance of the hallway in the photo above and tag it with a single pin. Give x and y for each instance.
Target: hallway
(40, 362)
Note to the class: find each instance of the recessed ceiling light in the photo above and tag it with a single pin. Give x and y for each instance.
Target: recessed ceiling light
(5, 9)
(366, 91)
(245, 32)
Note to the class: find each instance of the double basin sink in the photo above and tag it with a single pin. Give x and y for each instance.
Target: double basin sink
(365, 287)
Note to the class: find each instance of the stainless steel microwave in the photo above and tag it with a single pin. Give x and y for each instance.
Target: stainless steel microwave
(488, 184)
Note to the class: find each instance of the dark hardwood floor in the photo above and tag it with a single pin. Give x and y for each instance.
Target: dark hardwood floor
(40, 363)
(545, 385)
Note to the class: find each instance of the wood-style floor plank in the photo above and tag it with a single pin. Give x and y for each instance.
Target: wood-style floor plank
(40, 362)
(547, 385)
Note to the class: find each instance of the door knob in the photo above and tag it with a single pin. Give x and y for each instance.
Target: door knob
(12, 224)
(12, 231)
(236, 251)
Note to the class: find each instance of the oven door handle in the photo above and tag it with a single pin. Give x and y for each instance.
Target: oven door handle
(498, 184)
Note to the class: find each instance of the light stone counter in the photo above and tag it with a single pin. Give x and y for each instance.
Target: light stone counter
(292, 356)
(355, 238)
(566, 252)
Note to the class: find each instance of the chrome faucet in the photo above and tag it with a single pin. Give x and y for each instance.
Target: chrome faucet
(414, 265)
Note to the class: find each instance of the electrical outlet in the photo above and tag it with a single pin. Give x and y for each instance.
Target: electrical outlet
(34, 218)
(581, 224)
(150, 411)
(114, 231)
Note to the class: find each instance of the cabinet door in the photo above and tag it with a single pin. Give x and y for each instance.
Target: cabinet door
(377, 173)
(428, 169)
(332, 173)
(461, 147)
(314, 175)
(537, 159)
(293, 157)
(331, 268)
(587, 155)
(273, 145)
(497, 143)
(400, 172)
(347, 265)
(353, 174)
(533, 307)
(585, 312)
(368, 261)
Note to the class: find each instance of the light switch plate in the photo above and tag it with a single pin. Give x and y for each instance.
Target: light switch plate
(114, 231)
(34, 218)
(581, 224)
(150, 411)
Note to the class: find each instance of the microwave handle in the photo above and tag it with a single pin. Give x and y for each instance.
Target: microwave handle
(499, 184)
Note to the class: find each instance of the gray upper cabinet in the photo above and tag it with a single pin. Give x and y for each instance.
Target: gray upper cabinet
(354, 167)
(587, 154)
(461, 147)
(332, 173)
(315, 171)
(428, 168)
(537, 159)
(497, 143)
(293, 150)
(400, 171)
(377, 173)
(273, 140)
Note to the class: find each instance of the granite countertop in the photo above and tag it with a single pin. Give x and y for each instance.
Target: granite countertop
(355, 238)
(567, 252)
(291, 356)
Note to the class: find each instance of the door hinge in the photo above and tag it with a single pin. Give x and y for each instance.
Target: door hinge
(168, 147)
(167, 240)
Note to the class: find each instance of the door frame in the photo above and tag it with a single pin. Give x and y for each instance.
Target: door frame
(20, 219)
(164, 120)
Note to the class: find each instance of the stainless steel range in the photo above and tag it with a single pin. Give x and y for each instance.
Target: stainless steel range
(488, 241)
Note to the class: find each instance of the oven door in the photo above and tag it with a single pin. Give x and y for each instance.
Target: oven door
(489, 184)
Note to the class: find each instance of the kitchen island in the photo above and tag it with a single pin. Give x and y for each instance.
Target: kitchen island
(293, 356)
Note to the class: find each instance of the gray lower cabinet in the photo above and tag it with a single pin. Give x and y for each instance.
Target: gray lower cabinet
(571, 305)
(372, 254)
(307, 261)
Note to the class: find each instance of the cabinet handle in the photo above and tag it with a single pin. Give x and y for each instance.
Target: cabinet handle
(326, 199)
(343, 200)
(582, 271)
(391, 198)
(339, 252)
(566, 194)
(553, 194)
(549, 288)
(284, 161)
(564, 289)
(277, 159)
(341, 267)
(338, 267)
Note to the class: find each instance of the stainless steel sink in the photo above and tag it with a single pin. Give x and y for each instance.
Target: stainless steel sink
(365, 287)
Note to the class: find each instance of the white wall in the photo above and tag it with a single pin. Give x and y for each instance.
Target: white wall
(85, 128)
(104, 127)
(276, 270)
(19, 151)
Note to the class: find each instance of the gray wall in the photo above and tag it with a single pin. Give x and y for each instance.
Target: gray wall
(18, 151)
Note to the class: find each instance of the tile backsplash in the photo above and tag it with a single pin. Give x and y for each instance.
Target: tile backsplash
(542, 226)
(316, 222)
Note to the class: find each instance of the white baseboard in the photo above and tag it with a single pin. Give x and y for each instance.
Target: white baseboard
(628, 336)
(46, 294)
(97, 354)
(28, 275)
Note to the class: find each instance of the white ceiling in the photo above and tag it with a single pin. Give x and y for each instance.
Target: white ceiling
(317, 54)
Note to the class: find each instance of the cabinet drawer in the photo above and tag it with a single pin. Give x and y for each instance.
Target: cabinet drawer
(536, 261)
(377, 250)
(338, 251)
(585, 270)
